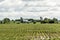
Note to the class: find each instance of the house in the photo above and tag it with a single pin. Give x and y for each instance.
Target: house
(26, 21)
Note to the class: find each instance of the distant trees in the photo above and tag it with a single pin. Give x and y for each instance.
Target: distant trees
(55, 20)
(21, 20)
(34, 22)
(41, 18)
(6, 20)
(13, 21)
(46, 20)
(51, 21)
(0, 22)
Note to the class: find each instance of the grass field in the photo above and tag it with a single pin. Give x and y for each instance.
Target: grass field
(30, 31)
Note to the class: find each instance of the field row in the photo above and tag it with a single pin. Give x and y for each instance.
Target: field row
(30, 32)
(28, 36)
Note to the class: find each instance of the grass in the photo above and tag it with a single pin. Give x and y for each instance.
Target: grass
(29, 31)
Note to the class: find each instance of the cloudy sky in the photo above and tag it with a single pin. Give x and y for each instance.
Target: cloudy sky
(29, 8)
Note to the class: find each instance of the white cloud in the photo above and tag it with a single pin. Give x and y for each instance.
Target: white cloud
(18, 8)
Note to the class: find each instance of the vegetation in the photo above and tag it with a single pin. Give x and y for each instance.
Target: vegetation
(30, 31)
(6, 20)
(21, 20)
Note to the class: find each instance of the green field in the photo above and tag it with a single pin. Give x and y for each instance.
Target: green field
(30, 31)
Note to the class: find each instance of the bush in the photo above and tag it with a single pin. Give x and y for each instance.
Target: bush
(34, 22)
(0, 22)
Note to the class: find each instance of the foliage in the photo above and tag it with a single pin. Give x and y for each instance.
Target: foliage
(34, 22)
(55, 20)
(46, 20)
(21, 19)
(41, 18)
(0, 22)
(6, 20)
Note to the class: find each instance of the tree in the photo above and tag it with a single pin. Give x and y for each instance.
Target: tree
(46, 20)
(55, 20)
(41, 18)
(6, 20)
(0, 22)
(13, 21)
(34, 22)
(51, 21)
(21, 19)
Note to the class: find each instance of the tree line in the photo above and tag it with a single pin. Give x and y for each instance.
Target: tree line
(21, 20)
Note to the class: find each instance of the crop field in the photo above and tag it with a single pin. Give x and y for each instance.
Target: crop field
(30, 31)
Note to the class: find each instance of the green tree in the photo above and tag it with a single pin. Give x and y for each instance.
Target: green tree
(55, 20)
(34, 22)
(0, 22)
(6, 20)
(46, 20)
(41, 18)
(21, 19)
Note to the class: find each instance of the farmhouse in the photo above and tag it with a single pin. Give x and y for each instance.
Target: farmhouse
(24, 21)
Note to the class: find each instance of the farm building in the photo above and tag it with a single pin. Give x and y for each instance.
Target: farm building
(24, 21)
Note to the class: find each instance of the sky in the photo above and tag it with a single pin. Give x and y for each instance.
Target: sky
(14, 9)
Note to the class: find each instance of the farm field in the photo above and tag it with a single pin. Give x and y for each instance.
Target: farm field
(30, 31)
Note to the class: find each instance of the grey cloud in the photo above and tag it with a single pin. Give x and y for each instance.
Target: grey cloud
(17, 10)
(2, 0)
